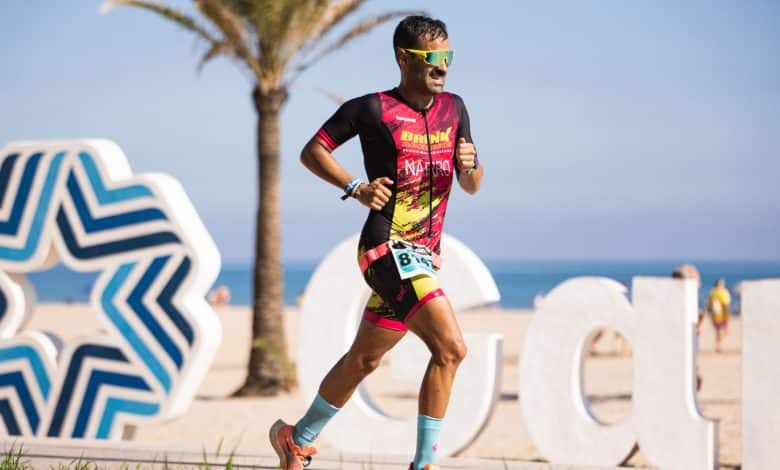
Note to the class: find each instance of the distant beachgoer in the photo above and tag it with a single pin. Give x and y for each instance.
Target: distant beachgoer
(719, 308)
(538, 299)
(219, 296)
(619, 342)
(689, 271)
(736, 298)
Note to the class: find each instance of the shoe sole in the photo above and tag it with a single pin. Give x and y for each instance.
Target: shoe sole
(273, 436)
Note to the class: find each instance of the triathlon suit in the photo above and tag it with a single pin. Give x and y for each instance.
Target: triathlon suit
(416, 150)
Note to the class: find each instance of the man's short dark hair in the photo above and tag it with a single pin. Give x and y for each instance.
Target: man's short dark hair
(413, 28)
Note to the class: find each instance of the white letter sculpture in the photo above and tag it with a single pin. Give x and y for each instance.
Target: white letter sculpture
(661, 327)
(78, 202)
(332, 306)
(760, 373)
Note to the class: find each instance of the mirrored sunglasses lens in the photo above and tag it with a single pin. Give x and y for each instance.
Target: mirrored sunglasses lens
(437, 58)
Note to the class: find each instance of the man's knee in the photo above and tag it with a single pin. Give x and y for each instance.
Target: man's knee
(451, 353)
(362, 363)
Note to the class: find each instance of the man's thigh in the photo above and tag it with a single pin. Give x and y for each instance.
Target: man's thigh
(435, 324)
(374, 340)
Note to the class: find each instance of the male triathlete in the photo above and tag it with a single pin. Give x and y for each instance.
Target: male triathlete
(416, 140)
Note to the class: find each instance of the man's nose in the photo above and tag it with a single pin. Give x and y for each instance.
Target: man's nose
(443, 66)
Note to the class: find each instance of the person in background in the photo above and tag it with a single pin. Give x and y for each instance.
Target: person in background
(719, 308)
(689, 271)
(619, 342)
(220, 296)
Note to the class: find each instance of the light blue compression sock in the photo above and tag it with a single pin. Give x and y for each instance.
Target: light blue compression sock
(428, 430)
(309, 427)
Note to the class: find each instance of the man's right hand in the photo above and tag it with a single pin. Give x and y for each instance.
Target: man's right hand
(374, 194)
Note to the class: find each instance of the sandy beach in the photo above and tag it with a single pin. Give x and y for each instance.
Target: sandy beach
(243, 422)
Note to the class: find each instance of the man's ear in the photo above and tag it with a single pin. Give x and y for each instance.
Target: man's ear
(400, 57)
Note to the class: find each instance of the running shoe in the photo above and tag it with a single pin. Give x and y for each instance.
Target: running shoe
(428, 466)
(291, 457)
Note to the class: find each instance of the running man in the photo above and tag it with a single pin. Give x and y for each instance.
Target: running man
(416, 139)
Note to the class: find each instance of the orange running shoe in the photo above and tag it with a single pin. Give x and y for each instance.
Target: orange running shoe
(428, 466)
(291, 457)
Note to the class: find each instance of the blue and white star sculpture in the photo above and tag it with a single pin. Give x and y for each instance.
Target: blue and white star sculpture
(78, 203)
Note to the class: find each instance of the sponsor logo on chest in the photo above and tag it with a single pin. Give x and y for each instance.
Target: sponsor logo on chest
(437, 137)
(416, 147)
(415, 168)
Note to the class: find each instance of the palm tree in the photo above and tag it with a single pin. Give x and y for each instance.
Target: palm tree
(276, 40)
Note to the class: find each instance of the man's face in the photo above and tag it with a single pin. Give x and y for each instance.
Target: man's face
(421, 74)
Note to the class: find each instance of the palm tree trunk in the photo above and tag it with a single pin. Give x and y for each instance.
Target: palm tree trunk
(270, 370)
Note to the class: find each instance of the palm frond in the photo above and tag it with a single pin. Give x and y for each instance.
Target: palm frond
(178, 17)
(234, 29)
(281, 26)
(292, 26)
(332, 17)
(217, 49)
(358, 30)
(330, 95)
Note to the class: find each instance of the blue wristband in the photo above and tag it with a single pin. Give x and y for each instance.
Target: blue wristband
(350, 187)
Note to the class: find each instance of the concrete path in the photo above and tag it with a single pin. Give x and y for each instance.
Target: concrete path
(53, 453)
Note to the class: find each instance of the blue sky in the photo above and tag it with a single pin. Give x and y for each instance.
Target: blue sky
(608, 130)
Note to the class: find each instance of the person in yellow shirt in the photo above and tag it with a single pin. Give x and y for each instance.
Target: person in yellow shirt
(718, 307)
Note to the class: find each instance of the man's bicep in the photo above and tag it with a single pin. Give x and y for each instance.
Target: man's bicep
(464, 123)
(342, 126)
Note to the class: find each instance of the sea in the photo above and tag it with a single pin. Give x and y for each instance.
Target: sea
(518, 281)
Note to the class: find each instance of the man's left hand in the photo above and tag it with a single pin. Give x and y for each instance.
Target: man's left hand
(465, 155)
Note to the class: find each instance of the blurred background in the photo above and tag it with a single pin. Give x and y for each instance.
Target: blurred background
(618, 138)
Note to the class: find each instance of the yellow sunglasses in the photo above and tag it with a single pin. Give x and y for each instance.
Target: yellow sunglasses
(435, 58)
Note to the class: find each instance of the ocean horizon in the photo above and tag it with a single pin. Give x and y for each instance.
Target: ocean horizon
(518, 281)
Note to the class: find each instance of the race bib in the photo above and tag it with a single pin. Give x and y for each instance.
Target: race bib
(412, 260)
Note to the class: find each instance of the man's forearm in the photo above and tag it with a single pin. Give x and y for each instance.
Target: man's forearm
(321, 162)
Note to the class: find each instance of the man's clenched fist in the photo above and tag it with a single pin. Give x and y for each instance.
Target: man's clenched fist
(374, 194)
(465, 155)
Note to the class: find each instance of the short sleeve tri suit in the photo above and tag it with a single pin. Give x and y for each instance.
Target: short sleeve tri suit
(415, 149)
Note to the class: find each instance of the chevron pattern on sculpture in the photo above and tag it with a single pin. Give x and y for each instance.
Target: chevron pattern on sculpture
(88, 233)
(82, 383)
(155, 261)
(24, 212)
(24, 383)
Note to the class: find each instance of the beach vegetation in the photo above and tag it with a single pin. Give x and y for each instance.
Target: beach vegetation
(273, 42)
(228, 464)
(13, 458)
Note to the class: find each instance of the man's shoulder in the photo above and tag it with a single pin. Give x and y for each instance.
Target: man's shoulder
(362, 98)
(363, 102)
(454, 98)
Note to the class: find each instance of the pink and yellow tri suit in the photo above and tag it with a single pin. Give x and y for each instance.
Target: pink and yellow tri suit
(415, 149)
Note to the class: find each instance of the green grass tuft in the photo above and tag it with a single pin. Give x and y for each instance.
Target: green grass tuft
(13, 459)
